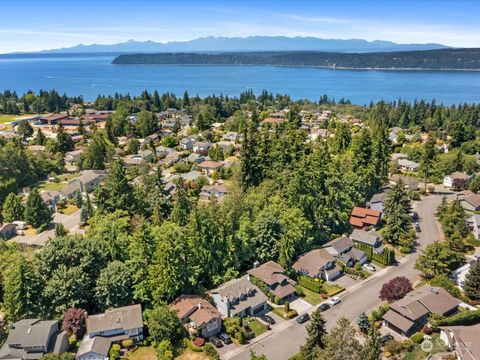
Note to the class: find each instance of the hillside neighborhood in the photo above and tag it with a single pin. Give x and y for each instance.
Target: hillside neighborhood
(234, 228)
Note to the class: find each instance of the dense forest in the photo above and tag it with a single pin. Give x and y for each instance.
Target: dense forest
(442, 59)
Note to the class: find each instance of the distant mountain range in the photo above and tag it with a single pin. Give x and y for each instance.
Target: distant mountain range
(252, 43)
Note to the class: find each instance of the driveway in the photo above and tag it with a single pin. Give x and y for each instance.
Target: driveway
(300, 306)
(345, 281)
(69, 221)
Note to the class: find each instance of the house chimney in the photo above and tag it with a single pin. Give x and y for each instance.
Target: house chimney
(199, 306)
(255, 264)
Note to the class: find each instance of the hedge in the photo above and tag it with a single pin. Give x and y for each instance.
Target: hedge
(192, 346)
(386, 258)
(462, 318)
(310, 284)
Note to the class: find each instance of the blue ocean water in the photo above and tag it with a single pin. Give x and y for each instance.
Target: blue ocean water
(93, 75)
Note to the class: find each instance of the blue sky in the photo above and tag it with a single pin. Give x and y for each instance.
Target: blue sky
(36, 25)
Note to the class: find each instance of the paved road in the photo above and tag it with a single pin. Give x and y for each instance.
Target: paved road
(286, 340)
(69, 221)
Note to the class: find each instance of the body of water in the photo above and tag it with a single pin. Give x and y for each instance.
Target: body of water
(93, 75)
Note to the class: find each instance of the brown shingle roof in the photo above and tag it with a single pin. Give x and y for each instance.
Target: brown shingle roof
(398, 321)
(311, 262)
(195, 307)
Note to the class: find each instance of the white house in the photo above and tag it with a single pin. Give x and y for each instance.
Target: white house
(475, 223)
(407, 165)
(459, 274)
(457, 179)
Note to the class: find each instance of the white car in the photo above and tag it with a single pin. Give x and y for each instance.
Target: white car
(334, 300)
(369, 267)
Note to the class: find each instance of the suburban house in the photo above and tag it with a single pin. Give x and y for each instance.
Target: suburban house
(32, 338)
(117, 324)
(187, 143)
(239, 297)
(96, 348)
(398, 156)
(87, 182)
(408, 165)
(318, 263)
(410, 314)
(210, 166)
(362, 218)
(370, 238)
(51, 198)
(215, 191)
(463, 340)
(273, 275)
(342, 249)
(52, 119)
(470, 201)
(197, 158)
(474, 222)
(456, 180)
(72, 157)
(201, 147)
(197, 314)
(7, 231)
(458, 275)
(36, 148)
(410, 183)
(230, 136)
(377, 202)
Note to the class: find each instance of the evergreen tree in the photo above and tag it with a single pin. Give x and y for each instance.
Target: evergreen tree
(438, 259)
(40, 138)
(64, 140)
(371, 348)
(316, 337)
(12, 208)
(78, 199)
(341, 343)
(363, 323)
(24, 130)
(36, 211)
(428, 158)
(472, 282)
(397, 214)
(114, 286)
(182, 205)
(60, 230)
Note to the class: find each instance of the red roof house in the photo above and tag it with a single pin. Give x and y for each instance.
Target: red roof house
(362, 218)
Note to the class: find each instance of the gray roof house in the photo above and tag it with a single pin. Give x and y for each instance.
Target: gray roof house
(117, 324)
(377, 201)
(463, 340)
(318, 263)
(215, 191)
(96, 348)
(369, 238)
(342, 248)
(273, 276)
(31, 338)
(470, 201)
(239, 297)
(410, 313)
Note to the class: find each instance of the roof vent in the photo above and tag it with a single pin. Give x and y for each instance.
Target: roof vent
(29, 330)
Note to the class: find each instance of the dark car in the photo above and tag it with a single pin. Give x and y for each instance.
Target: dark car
(302, 318)
(385, 338)
(225, 338)
(417, 226)
(216, 342)
(268, 319)
(324, 307)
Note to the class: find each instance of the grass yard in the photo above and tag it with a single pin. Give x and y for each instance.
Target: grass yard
(51, 186)
(7, 118)
(419, 354)
(69, 176)
(257, 327)
(143, 353)
(191, 355)
(311, 297)
(332, 289)
(68, 210)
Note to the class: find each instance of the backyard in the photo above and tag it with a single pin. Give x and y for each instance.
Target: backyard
(419, 354)
(143, 353)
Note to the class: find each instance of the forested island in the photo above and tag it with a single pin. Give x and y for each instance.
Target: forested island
(443, 59)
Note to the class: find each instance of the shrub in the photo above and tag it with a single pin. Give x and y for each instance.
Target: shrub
(182, 167)
(192, 346)
(462, 318)
(447, 284)
(418, 337)
(408, 345)
(115, 351)
(299, 291)
(211, 352)
(312, 285)
(127, 343)
(394, 347)
(395, 289)
(427, 330)
(241, 337)
(386, 258)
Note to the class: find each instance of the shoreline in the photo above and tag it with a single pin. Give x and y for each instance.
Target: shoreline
(312, 66)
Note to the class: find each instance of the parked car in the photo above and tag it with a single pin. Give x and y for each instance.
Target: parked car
(268, 319)
(369, 267)
(417, 226)
(324, 307)
(334, 300)
(302, 318)
(415, 216)
(385, 338)
(216, 342)
(225, 338)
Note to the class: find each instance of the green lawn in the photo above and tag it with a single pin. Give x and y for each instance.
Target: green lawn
(143, 353)
(332, 289)
(7, 118)
(311, 297)
(419, 354)
(69, 176)
(51, 186)
(69, 209)
(257, 327)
